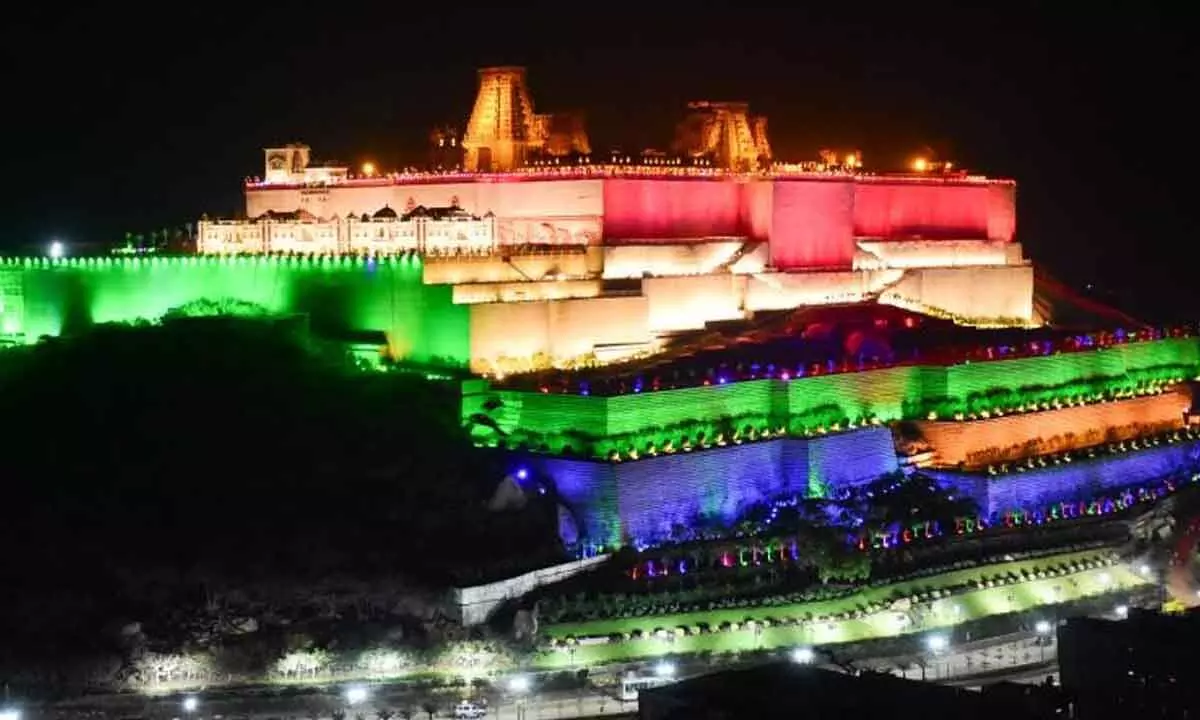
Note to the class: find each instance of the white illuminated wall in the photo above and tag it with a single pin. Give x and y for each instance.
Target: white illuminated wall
(474, 293)
(935, 253)
(783, 291)
(635, 261)
(687, 303)
(514, 269)
(972, 292)
(511, 198)
(558, 329)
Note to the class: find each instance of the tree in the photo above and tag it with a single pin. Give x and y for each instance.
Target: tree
(227, 440)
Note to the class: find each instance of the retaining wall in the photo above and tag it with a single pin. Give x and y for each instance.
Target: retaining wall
(342, 296)
(975, 443)
(881, 393)
(1077, 480)
(614, 503)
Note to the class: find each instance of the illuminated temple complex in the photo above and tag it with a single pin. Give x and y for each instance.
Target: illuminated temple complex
(604, 258)
(677, 335)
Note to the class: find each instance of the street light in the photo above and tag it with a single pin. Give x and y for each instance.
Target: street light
(519, 685)
(190, 703)
(1043, 628)
(937, 643)
(56, 250)
(665, 669)
(356, 694)
(803, 655)
(1122, 611)
(10, 714)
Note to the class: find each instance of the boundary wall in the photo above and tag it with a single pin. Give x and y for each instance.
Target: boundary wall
(342, 296)
(976, 443)
(474, 605)
(882, 394)
(611, 504)
(1079, 480)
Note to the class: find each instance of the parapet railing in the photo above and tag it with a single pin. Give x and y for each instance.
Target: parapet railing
(682, 376)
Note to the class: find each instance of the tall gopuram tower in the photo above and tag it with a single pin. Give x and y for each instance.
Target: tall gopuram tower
(725, 132)
(502, 124)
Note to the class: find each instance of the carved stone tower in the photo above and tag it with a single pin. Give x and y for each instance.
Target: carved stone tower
(725, 132)
(502, 124)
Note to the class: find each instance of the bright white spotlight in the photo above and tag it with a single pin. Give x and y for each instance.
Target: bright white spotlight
(803, 655)
(56, 249)
(1122, 611)
(1144, 569)
(1042, 627)
(190, 703)
(519, 683)
(665, 669)
(10, 714)
(356, 694)
(1105, 579)
(937, 643)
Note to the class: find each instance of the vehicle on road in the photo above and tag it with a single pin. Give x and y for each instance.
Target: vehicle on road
(467, 710)
(631, 685)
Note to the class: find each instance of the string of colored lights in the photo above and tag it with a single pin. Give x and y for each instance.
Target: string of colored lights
(787, 550)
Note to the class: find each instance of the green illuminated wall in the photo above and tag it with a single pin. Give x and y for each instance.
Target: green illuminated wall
(41, 297)
(878, 393)
(965, 380)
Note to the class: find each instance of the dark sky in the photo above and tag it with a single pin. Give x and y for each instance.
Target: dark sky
(130, 120)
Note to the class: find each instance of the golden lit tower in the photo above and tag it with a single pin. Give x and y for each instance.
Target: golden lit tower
(502, 123)
(726, 132)
(762, 145)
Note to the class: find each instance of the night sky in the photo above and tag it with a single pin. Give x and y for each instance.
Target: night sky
(139, 119)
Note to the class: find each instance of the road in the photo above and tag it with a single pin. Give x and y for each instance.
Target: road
(1020, 653)
(979, 658)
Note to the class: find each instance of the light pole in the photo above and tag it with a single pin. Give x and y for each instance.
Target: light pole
(1043, 628)
(519, 685)
(937, 644)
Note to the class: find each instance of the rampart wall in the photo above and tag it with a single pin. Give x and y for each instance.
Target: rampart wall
(811, 222)
(977, 443)
(875, 393)
(341, 296)
(1079, 480)
(612, 503)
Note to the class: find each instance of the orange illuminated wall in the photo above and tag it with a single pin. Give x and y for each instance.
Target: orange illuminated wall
(952, 211)
(670, 210)
(981, 442)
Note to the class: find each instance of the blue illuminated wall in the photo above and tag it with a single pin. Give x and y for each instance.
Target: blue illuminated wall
(612, 503)
(1079, 480)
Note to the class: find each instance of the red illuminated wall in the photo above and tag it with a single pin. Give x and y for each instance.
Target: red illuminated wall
(812, 224)
(670, 210)
(757, 197)
(934, 211)
(1002, 211)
